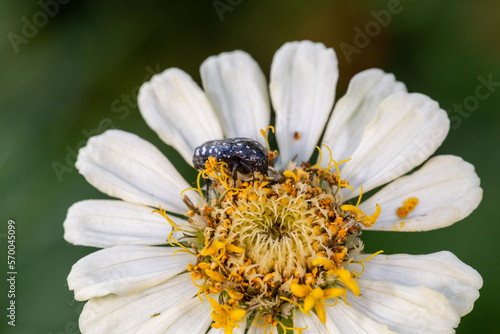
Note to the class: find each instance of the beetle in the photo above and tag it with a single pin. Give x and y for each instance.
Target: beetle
(242, 155)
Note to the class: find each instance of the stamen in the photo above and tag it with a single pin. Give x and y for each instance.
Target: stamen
(344, 276)
(285, 328)
(198, 185)
(296, 304)
(341, 183)
(257, 325)
(319, 160)
(290, 174)
(264, 133)
(199, 286)
(360, 216)
(321, 261)
(344, 297)
(200, 291)
(331, 160)
(225, 316)
(368, 258)
(360, 195)
(336, 302)
(180, 250)
(175, 228)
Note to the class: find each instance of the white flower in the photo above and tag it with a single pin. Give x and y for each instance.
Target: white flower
(267, 246)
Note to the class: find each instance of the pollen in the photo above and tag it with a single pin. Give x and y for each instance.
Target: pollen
(408, 206)
(271, 244)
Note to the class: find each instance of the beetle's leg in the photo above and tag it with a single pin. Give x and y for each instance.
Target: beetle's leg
(207, 184)
(235, 172)
(248, 170)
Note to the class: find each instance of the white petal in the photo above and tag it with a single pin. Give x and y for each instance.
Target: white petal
(345, 319)
(303, 80)
(311, 321)
(441, 271)
(237, 88)
(447, 189)
(124, 270)
(190, 316)
(407, 129)
(116, 314)
(176, 108)
(262, 330)
(123, 165)
(106, 223)
(356, 109)
(405, 309)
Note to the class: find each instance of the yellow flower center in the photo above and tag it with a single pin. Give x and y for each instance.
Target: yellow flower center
(273, 244)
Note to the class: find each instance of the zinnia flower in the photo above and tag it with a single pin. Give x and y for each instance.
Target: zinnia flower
(253, 251)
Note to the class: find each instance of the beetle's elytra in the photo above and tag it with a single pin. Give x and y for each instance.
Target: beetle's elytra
(242, 155)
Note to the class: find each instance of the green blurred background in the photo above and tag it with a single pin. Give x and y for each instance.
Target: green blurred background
(79, 71)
